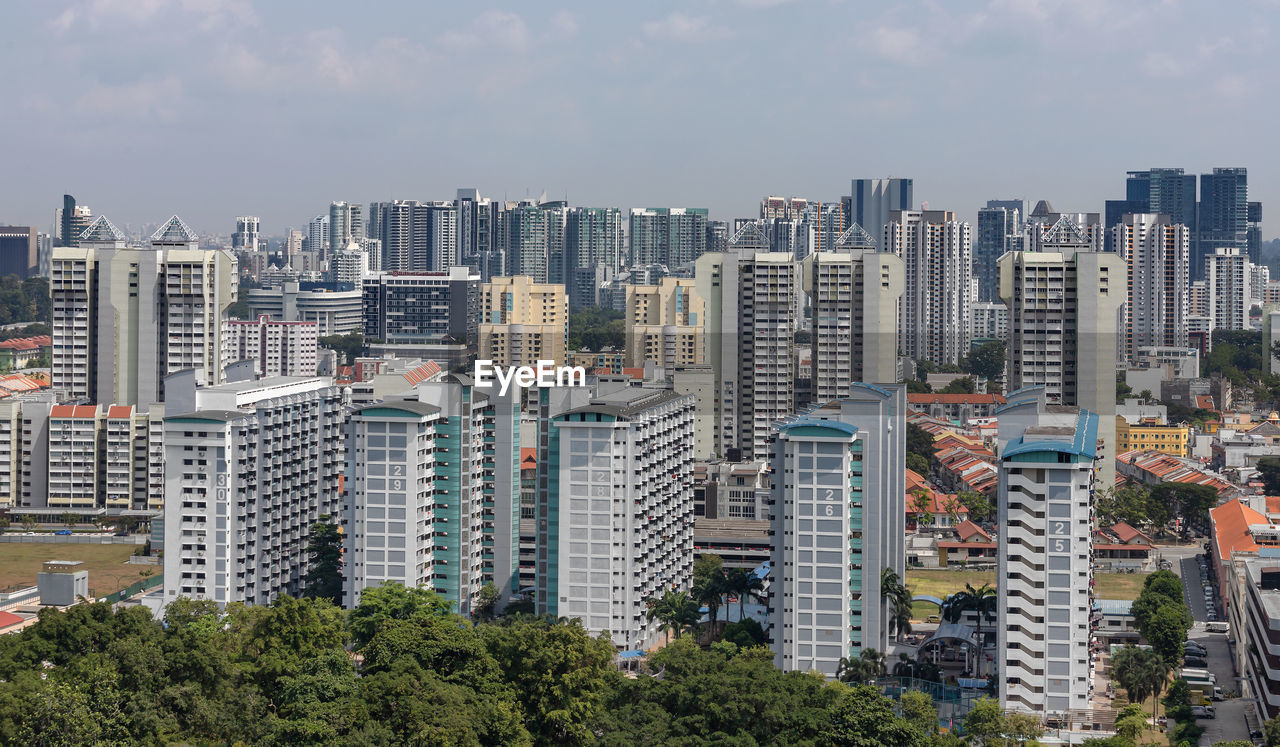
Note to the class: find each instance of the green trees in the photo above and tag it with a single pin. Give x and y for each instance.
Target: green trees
(348, 347)
(676, 610)
(1269, 471)
(710, 587)
(897, 600)
(987, 361)
(919, 711)
(743, 583)
(596, 328)
(962, 385)
(1162, 617)
(1143, 673)
(982, 602)
(391, 601)
(324, 580)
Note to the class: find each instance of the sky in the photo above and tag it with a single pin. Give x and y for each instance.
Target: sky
(216, 108)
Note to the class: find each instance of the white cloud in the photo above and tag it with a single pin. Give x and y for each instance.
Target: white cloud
(900, 45)
(145, 99)
(98, 13)
(564, 24)
(678, 27)
(215, 12)
(1161, 65)
(321, 60)
(493, 28)
(1231, 86)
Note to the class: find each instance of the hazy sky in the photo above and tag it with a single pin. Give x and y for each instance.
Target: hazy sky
(218, 108)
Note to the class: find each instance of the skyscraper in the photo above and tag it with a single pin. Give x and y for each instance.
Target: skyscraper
(1063, 325)
(593, 237)
(1224, 214)
(619, 511)
(667, 236)
(1255, 233)
(872, 200)
(250, 467)
(937, 253)
(767, 285)
(416, 236)
(535, 234)
(1159, 257)
(1227, 281)
(18, 253)
(999, 231)
(72, 220)
(346, 222)
(838, 519)
(318, 235)
(125, 318)
(1044, 603)
(422, 307)
(854, 294)
(246, 235)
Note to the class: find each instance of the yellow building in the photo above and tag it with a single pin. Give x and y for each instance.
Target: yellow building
(609, 360)
(665, 324)
(1151, 436)
(522, 322)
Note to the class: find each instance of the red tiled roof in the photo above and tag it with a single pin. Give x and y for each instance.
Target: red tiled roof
(1204, 402)
(8, 620)
(967, 529)
(422, 373)
(1231, 523)
(120, 411)
(1273, 504)
(73, 411)
(1126, 533)
(27, 343)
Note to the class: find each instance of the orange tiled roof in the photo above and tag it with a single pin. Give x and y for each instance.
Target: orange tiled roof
(528, 454)
(1126, 533)
(929, 398)
(73, 411)
(422, 373)
(1231, 523)
(27, 343)
(120, 411)
(967, 529)
(1273, 504)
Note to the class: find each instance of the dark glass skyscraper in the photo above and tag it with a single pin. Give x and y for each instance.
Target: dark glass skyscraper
(1224, 214)
(999, 231)
(1168, 191)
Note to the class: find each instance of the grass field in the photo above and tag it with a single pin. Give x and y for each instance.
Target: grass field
(108, 572)
(939, 583)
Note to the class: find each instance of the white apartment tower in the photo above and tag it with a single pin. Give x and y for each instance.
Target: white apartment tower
(1046, 483)
(838, 520)
(1159, 257)
(1063, 331)
(246, 236)
(1226, 275)
(937, 253)
(389, 504)
(276, 348)
(620, 511)
(854, 296)
(767, 288)
(125, 318)
(346, 224)
(249, 468)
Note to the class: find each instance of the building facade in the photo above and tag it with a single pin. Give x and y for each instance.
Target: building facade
(1159, 257)
(937, 255)
(250, 468)
(276, 348)
(664, 324)
(420, 307)
(522, 322)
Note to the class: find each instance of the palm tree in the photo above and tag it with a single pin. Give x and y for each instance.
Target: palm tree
(743, 583)
(868, 666)
(982, 602)
(1141, 672)
(898, 598)
(677, 611)
(874, 663)
(710, 591)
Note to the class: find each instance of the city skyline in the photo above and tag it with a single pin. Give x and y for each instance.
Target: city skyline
(227, 105)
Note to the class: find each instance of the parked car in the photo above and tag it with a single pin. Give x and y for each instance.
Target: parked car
(63, 531)
(1203, 712)
(1194, 661)
(1195, 649)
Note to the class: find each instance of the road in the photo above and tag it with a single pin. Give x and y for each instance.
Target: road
(1230, 723)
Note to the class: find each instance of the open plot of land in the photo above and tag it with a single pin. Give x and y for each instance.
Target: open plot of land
(938, 582)
(108, 572)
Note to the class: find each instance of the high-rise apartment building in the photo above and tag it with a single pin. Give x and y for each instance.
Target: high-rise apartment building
(872, 200)
(854, 296)
(346, 224)
(389, 501)
(767, 285)
(1226, 275)
(1044, 602)
(276, 348)
(477, 244)
(999, 231)
(1159, 257)
(535, 235)
(249, 468)
(125, 318)
(1254, 233)
(593, 237)
(522, 322)
(70, 221)
(334, 312)
(247, 233)
(1169, 192)
(422, 307)
(318, 236)
(18, 253)
(1223, 216)
(990, 322)
(1064, 328)
(477, 491)
(667, 236)
(1046, 229)
(838, 514)
(782, 208)
(665, 324)
(937, 253)
(619, 511)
